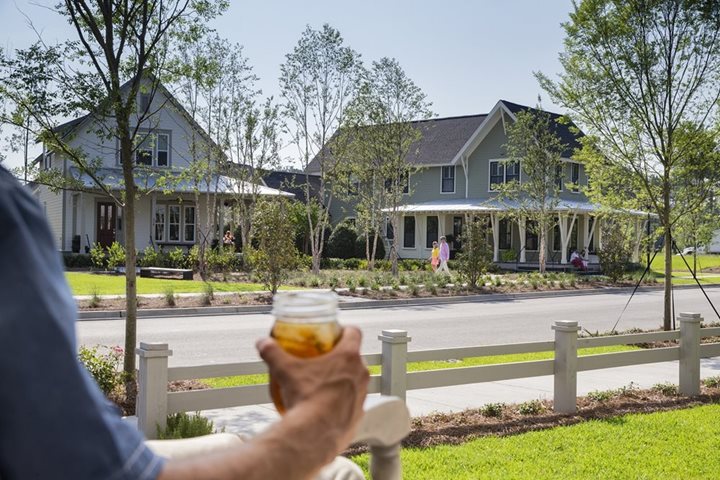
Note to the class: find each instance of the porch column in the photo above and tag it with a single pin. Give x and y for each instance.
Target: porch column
(586, 234)
(495, 225)
(565, 232)
(521, 228)
(153, 202)
(441, 225)
(418, 236)
(598, 233)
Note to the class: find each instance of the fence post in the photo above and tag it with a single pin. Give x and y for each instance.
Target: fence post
(394, 362)
(151, 408)
(689, 353)
(565, 384)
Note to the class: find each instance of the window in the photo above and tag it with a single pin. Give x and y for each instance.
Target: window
(531, 237)
(409, 232)
(503, 172)
(154, 150)
(559, 177)
(431, 231)
(575, 176)
(505, 234)
(389, 231)
(174, 223)
(159, 223)
(557, 239)
(457, 231)
(448, 179)
(402, 178)
(572, 241)
(47, 161)
(189, 225)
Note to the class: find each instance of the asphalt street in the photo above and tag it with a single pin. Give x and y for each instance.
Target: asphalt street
(231, 338)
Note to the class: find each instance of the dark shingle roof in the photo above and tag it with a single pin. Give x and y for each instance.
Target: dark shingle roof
(442, 138)
(564, 130)
(293, 182)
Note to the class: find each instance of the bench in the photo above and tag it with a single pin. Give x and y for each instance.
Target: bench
(186, 273)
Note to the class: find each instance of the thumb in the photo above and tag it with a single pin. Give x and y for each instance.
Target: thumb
(270, 351)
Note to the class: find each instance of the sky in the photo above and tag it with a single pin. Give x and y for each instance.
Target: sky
(465, 55)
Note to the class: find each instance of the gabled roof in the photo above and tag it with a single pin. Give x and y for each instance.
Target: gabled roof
(445, 140)
(442, 139)
(293, 182)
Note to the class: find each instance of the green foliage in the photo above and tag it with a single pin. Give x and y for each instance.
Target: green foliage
(221, 260)
(533, 407)
(276, 254)
(149, 257)
(77, 260)
(97, 256)
(341, 243)
(615, 254)
(208, 294)
(115, 255)
(95, 300)
(711, 382)
(667, 389)
(176, 258)
(476, 254)
(170, 297)
(508, 256)
(103, 363)
(601, 396)
(182, 425)
(492, 410)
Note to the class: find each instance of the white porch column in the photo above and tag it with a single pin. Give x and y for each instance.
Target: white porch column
(598, 233)
(495, 225)
(418, 237)
(521, 227)
(586, 234)
(562, 221)
(441, 225)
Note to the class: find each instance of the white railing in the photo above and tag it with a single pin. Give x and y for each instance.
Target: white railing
(155, 402)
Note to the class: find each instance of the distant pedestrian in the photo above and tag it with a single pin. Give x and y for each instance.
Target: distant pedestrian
(229, 240)
(435, 257)
(444, 256)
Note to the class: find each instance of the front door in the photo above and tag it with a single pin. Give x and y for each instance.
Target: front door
(106, 221)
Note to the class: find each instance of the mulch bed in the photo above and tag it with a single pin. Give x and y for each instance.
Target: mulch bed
(457, 428)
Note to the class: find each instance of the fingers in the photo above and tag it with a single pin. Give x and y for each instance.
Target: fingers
(270, 351)
(351, 338)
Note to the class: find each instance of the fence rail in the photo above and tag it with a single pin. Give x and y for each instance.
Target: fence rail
(155, 402)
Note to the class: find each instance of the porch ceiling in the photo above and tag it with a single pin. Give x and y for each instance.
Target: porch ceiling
(493, 205)
(170, 181)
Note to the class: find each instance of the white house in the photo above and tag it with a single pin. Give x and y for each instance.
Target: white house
(168, 211)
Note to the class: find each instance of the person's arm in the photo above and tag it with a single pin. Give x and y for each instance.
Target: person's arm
(325, 395)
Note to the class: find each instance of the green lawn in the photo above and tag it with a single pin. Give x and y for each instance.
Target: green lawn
(237, 381)
(89, 283)
(681, 444)
(681, 274)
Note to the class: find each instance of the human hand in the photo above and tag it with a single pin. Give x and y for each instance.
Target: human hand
(330, 389)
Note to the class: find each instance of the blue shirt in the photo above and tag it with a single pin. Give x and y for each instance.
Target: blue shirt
(54, 421)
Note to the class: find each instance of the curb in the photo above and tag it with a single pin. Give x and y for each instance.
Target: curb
(87, 315)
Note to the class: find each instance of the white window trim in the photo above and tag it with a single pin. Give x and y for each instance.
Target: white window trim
(454, 179)
(155, 223)
(179, 223)
(425, 247)
(502, 160)
(145, 134)
(414, 247)
(576, 186)
(166, 228)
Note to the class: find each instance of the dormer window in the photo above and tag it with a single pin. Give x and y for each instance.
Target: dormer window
(154, 150)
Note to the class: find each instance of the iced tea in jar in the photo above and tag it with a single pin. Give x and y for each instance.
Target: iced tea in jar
(305, 326)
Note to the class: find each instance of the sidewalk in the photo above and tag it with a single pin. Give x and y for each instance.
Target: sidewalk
(252, 419)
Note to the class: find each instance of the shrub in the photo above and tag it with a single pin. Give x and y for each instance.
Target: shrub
(208, 293)
(182, 425)
(176, 258)
(149, 257)
(711, 382)
(360, 248)
(492, 410)
(508, 256)
(95, 300)
(341, 243)
(221, 260)
(615, 254)
(192, 259)
(103, 363)
(533, 407)
(352, 263)
(97, 256)
(170, 297)
(666, 388)
(476, 255)
(601, 396)
(332, 263)
(115, 255)
(77, 260)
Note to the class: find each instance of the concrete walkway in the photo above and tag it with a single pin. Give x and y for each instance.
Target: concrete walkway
(250, 420)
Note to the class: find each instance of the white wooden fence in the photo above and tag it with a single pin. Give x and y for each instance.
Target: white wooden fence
(155, 402)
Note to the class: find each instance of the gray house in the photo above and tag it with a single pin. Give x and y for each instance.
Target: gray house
(459, 160)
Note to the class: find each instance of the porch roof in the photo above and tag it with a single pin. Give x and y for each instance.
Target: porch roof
(484, 205)
(170, 181)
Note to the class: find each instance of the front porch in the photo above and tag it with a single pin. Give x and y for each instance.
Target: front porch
(514, 242)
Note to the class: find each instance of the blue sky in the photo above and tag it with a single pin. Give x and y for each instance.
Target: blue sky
(465, 55)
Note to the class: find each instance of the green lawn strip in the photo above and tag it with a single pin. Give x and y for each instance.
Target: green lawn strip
(237, 381)
(88, 283)
(678, 266)
(676, 444)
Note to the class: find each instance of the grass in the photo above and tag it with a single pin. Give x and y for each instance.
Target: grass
(87, 283)
(675, 444)
(681, 274)
(242, 380)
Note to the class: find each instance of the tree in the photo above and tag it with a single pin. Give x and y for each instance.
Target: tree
(636, 74)
(534, 147)
(476, 254)
(276, 254)
(120, 51)
(317, 80)
(616, 249)
(380, 134)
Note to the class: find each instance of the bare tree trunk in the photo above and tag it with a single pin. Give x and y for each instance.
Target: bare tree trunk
(667, 297)
(541, 251)
(393, 250)
(130, 261)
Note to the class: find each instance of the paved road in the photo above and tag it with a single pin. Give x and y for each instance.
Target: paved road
(230, 338)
